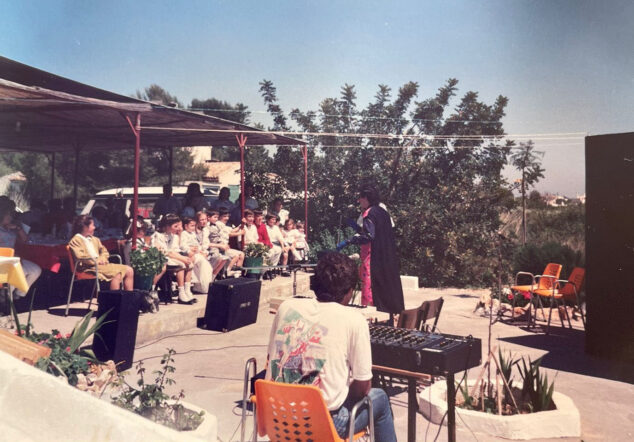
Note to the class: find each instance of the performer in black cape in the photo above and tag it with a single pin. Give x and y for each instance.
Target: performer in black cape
(379, 271)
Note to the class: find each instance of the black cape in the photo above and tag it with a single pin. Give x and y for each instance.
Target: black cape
(387, 291)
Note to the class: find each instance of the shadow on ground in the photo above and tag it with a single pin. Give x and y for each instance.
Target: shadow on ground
(79, 312)
(566, 352)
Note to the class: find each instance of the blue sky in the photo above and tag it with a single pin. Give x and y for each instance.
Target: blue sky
(566, 66)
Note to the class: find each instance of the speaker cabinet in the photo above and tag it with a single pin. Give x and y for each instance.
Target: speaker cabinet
(118, 334)
(232, 303)
(610, 245)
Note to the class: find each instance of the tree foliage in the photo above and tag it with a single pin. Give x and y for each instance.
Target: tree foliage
(445, 194)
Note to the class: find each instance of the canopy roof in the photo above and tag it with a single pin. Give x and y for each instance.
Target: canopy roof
(43, 112)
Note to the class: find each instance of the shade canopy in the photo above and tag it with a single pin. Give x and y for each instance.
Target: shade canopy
(43, 112)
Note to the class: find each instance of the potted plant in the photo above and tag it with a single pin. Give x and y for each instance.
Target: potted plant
(147, 263)
(152, 402)
(254, 254)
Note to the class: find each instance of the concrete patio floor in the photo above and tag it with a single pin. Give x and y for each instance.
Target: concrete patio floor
(210, 365)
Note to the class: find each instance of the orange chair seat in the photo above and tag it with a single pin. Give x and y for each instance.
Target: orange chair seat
(524, 288)
(293, 412)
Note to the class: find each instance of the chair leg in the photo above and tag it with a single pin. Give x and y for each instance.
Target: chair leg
(550, 312)
(563, 302)
(583, 319)
(70, 292)
(94, 290)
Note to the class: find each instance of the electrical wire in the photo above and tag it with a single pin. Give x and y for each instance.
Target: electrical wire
(538, 136)
(364, 117)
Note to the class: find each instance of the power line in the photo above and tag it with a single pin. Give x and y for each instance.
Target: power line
(365, 117)
(537, 136)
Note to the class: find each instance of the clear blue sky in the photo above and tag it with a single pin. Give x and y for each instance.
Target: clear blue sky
(566, 66)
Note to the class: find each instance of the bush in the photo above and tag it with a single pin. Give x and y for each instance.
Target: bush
(533, 258)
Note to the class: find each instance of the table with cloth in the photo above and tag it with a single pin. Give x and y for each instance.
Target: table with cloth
(11, 273)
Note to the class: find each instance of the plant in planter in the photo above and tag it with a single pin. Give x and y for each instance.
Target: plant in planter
(67, 358)
(254, 254)
(151, 401)
(147, 263)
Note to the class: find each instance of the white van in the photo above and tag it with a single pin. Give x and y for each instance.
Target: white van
(120, 200)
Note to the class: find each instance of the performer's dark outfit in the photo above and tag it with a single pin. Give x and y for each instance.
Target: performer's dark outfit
(382, 286)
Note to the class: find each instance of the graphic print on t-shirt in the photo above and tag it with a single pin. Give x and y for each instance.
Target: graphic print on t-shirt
(299, 355)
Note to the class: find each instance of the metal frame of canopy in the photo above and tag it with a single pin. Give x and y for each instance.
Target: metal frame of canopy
(78, 117)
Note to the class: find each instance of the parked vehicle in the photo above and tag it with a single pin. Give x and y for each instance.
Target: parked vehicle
(118, 202)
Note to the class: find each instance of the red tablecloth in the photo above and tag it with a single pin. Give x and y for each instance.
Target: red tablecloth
(49, 257)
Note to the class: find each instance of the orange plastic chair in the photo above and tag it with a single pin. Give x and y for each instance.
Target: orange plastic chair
(569, 291)
(546, 281)
(298, 412)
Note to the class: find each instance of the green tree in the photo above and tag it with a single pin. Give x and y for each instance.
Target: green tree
(528, 161)
(438, 169)
(223, 109)
(157, 94)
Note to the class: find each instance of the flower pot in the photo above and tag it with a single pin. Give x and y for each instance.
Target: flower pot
(564, 421)
(143, 282)
(253, 262)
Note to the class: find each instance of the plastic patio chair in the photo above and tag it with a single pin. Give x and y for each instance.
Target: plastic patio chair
(291, 412)
(417, 317)
(565, 290)
(79, 275)
(546, 281)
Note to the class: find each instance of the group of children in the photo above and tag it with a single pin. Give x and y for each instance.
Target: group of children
(287, 243)
(198, 249)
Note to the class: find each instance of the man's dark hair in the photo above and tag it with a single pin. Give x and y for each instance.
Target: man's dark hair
(167, 190)
(270, 215)
(371, 194)
(222, 212)
(335, 275)
(248, 212)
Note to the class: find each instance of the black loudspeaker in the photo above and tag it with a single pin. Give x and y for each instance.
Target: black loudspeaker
(118, 334)
(232, 303)
(610, 245)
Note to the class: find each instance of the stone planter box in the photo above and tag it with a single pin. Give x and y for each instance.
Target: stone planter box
(561, 422)
(208, 428)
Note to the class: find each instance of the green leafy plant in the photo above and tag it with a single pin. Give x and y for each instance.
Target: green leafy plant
(151, 401)
(506, 365)
(535, 386)
(147, 261)
(256, 250)
(67, 358)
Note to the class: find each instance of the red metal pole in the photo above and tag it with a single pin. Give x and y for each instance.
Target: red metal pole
(242, 141)
(305, 150)
(136, 129)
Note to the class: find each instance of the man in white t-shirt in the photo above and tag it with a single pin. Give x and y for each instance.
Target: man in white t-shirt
(323, 343)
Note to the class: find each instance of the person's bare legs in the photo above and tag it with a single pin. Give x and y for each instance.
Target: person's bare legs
(180, 278)
(159, 276)
(115, 282)
(128, 278)
(219, 266)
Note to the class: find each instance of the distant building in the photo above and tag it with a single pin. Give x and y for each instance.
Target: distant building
(221, 172)
(556, 200)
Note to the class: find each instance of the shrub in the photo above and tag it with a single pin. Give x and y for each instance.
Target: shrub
(533, 258)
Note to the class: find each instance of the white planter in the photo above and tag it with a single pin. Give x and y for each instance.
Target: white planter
(562, 422)
(208, 428)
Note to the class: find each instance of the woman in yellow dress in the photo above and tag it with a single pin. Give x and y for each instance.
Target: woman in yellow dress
(84, 245)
